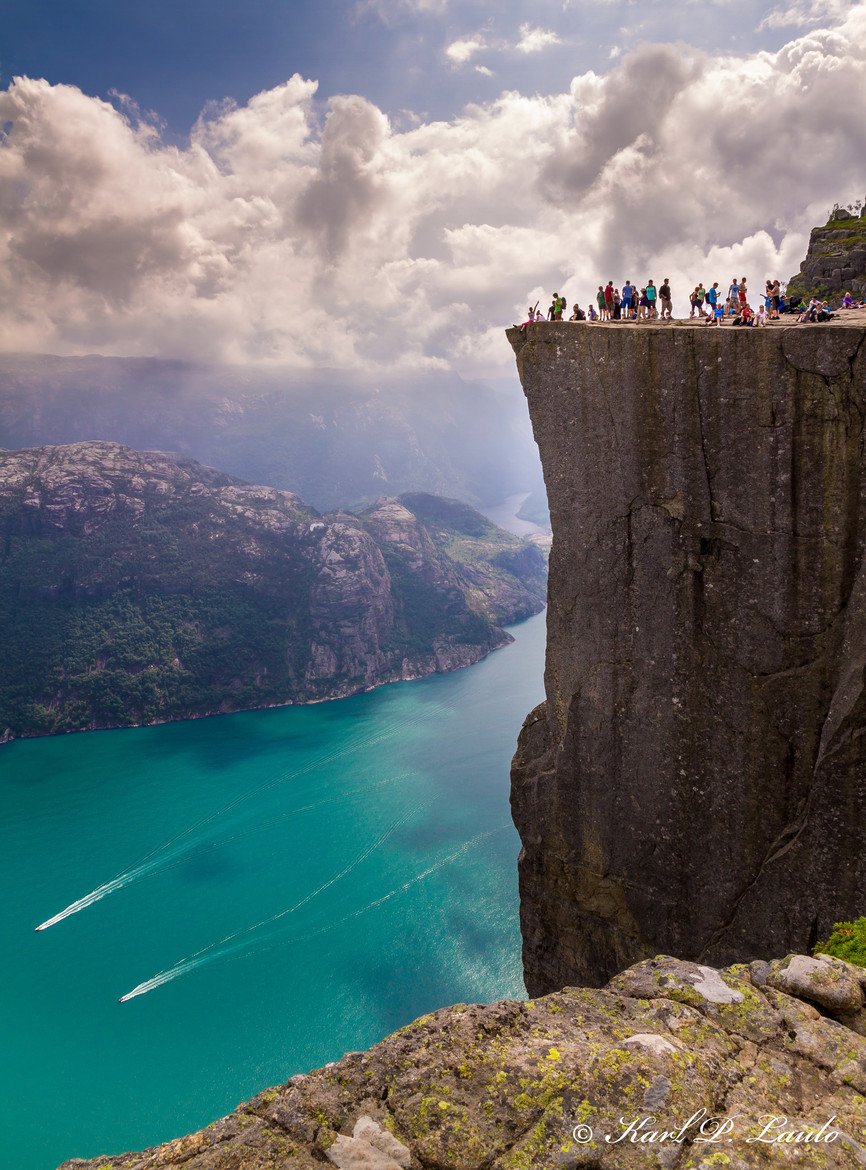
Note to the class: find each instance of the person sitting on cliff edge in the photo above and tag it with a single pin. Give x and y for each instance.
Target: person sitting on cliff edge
(577, 314)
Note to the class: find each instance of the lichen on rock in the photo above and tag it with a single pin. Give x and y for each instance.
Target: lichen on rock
(550, 1084)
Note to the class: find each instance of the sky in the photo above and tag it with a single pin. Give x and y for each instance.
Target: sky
(386, 184)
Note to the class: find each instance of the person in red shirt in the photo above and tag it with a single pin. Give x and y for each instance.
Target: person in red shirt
(608, 300)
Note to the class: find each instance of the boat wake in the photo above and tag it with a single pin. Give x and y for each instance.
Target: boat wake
(174, 849)
(241, 940)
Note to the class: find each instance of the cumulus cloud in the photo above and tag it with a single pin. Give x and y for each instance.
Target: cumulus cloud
(533, 40)
(289, 232)
(464, 49)
(803, 13)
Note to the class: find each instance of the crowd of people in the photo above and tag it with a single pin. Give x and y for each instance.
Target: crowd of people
(715, 307)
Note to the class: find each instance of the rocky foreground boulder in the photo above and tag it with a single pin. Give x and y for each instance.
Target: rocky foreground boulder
(673, 1065)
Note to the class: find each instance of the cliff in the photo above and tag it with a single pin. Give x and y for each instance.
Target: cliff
(552, 1084)
(137, 587)
(694, 781)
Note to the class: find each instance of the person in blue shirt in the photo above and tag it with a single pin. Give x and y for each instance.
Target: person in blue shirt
(713, 298)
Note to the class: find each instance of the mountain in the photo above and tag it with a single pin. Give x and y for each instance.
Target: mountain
(138, 587)
(333, 438)
(694, 782)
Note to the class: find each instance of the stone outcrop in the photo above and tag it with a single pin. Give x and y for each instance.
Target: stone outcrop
(836, 259)
(695, 781)
(137, 587)
(551, 1084)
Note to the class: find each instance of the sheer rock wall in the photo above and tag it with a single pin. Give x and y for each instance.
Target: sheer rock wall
(695, 782)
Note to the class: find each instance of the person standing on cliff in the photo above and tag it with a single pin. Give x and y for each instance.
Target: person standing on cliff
(666, 299)
(776, 298)
(742, 292)
(734, 291)
(712, 300)
(599, 296)
(627, 299)
(651, 298)
(608, 300)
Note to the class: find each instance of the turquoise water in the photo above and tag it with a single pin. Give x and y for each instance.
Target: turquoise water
(280, 886)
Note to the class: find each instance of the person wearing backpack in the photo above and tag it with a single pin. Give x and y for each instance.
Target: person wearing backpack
(713, 299)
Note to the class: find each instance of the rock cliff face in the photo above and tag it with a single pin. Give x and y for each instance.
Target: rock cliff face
(552, 1084)
(138, 587)
(695, 782)
(836, 260)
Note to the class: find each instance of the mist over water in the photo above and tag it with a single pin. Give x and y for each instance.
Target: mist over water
(276, 888)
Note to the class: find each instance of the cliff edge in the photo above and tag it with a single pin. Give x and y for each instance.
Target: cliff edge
(695, 782)
(578, 1079)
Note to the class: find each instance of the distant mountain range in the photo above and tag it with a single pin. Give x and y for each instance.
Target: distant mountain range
(334, 438)
(139, 587)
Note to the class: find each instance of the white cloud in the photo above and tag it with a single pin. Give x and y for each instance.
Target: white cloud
(533, 40)
(483, 70)
(803, 13)
(462, 50)
(277, 237)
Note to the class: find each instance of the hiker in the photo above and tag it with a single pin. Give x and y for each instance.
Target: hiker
(651, 298)
(627, 299)
(712, 300)
(608, 300)
(742, 292)
(693, 302)
(665, 299)
(599, 296)
(577, 314)
(700, 297)
(593, 316)
(716, 314)
(617, 305)
(734, 291)
(643, 309)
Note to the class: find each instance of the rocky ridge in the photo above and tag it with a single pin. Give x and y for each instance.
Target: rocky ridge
(137, 587)
(835, 262)
(694, 782)
(768, 1049)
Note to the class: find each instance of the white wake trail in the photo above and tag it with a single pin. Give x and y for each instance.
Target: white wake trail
(162, 854)
(240, 938)
(116, 883)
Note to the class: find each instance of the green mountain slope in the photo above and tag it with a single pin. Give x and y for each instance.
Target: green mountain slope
(137, 587)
